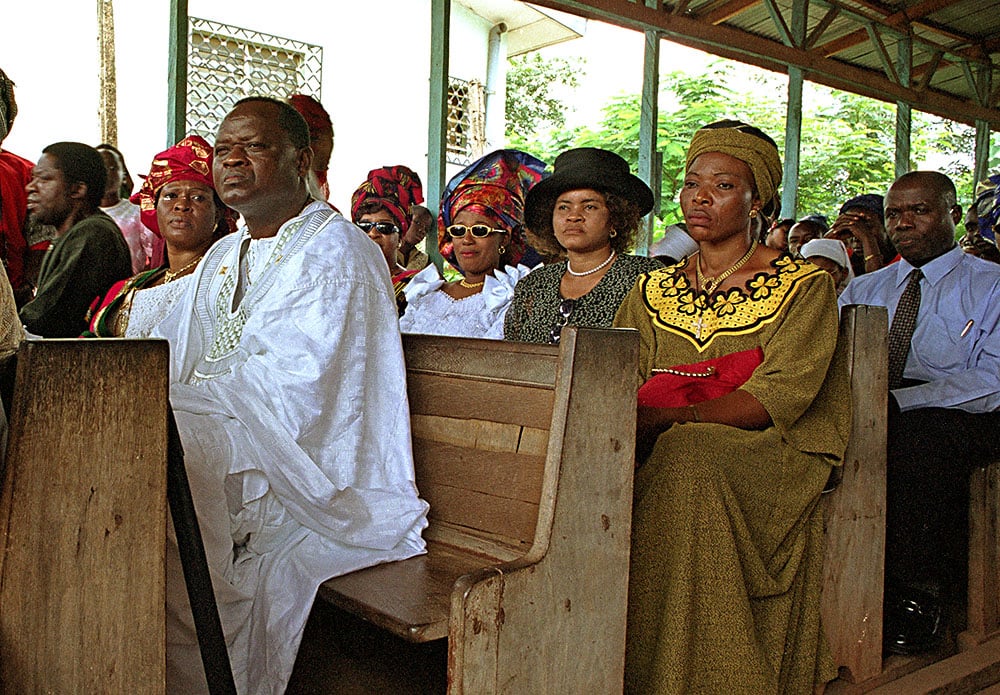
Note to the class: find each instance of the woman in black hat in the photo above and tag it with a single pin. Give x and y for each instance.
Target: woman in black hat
(589, 211)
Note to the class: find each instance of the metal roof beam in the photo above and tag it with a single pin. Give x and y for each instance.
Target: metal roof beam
(748, 48)
(901, 24)
(927, 70)
(779, 22)
(728, 10)
(817, 33)
(882, 52)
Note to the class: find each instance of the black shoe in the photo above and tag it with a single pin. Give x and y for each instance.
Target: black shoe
(913, 622)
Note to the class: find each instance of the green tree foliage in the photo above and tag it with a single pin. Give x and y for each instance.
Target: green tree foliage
(847, 143)
(531, 100)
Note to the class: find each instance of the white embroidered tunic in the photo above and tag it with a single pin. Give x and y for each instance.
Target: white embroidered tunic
(289, 389)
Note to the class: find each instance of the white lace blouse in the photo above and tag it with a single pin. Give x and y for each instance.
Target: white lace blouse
(431, 311)
(151, 305)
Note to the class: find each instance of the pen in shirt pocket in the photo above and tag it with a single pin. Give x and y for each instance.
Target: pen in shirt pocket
(968, 327)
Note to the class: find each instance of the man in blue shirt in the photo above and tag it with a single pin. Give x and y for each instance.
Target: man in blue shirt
(944, 398)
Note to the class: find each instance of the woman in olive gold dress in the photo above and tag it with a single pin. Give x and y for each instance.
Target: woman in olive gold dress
(727, 541)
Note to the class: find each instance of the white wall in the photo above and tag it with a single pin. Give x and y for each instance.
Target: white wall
(376, 58)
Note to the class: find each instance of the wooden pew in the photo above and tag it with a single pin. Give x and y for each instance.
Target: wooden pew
(855, 552)
(83, 515)
(525, 453)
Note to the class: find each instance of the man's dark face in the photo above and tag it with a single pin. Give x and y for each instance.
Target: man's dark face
(115, 170)
(971, 222)
(919, 220)
(49, 200)
(256, 164)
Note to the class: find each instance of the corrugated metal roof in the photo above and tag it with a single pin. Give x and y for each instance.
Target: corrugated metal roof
(940, 56)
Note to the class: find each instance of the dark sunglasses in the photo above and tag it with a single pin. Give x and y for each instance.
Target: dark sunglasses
(565, 310)
(480, 231)
(380, 227)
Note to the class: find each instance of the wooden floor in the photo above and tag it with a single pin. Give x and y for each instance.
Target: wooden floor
(963, 673)
(372, 661)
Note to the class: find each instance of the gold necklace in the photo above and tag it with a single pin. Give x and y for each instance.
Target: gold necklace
(470, 285)
(710, 285)
(171, 275)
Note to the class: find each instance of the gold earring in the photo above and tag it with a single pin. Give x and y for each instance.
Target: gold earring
(502, 250)
(753, 213)
(614, 233)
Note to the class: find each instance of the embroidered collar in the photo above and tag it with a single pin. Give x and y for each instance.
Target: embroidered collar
(676, 307)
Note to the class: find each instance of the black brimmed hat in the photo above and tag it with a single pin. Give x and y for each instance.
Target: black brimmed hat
(584, 167)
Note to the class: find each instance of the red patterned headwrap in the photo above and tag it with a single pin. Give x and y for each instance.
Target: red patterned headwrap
(394, 188)
(495, 186)
(188, 160)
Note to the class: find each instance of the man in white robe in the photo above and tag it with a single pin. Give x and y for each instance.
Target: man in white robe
(288, 385)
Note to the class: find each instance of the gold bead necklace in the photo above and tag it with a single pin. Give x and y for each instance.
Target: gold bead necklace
(171, 275)
(470, 285)
(710, 285)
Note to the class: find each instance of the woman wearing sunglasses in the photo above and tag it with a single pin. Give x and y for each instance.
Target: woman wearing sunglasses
(385, 207)
(480, 232)
(589, 212)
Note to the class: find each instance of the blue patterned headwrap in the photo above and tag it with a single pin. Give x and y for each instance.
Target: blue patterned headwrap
(988, 205)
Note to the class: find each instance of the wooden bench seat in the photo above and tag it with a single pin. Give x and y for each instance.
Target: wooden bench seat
(411, 599)
(525, 454)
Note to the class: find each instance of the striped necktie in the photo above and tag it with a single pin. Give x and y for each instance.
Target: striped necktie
(901, 331)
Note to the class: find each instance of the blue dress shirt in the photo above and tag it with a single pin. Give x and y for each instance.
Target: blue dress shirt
(956, 343)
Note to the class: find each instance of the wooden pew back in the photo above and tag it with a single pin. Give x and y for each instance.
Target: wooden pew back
(480, 421)
(83, 514)
(525, 453)
(853, 567)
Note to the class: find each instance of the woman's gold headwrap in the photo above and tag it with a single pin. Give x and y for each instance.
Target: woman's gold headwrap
(740, 141)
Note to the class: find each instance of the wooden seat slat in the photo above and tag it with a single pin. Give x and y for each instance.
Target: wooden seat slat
(506, 475)
(528, 363)
(413, 597)
(479, 434)
(507, 518)
(452, 396)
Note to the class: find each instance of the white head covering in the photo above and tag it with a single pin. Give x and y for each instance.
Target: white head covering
(675, 243)
(833, 249)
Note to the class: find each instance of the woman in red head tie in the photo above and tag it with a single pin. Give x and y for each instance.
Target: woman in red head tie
(177, 202)
(384, 207)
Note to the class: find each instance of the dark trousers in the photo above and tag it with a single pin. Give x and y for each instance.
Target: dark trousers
(931, 452)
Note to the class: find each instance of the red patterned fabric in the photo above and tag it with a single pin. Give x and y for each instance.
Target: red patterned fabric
(496, 186)
(188, 160)
(395, 188)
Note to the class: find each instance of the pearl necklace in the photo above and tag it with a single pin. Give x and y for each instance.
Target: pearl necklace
(710, 285)
(569, 268)
(171, 275)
